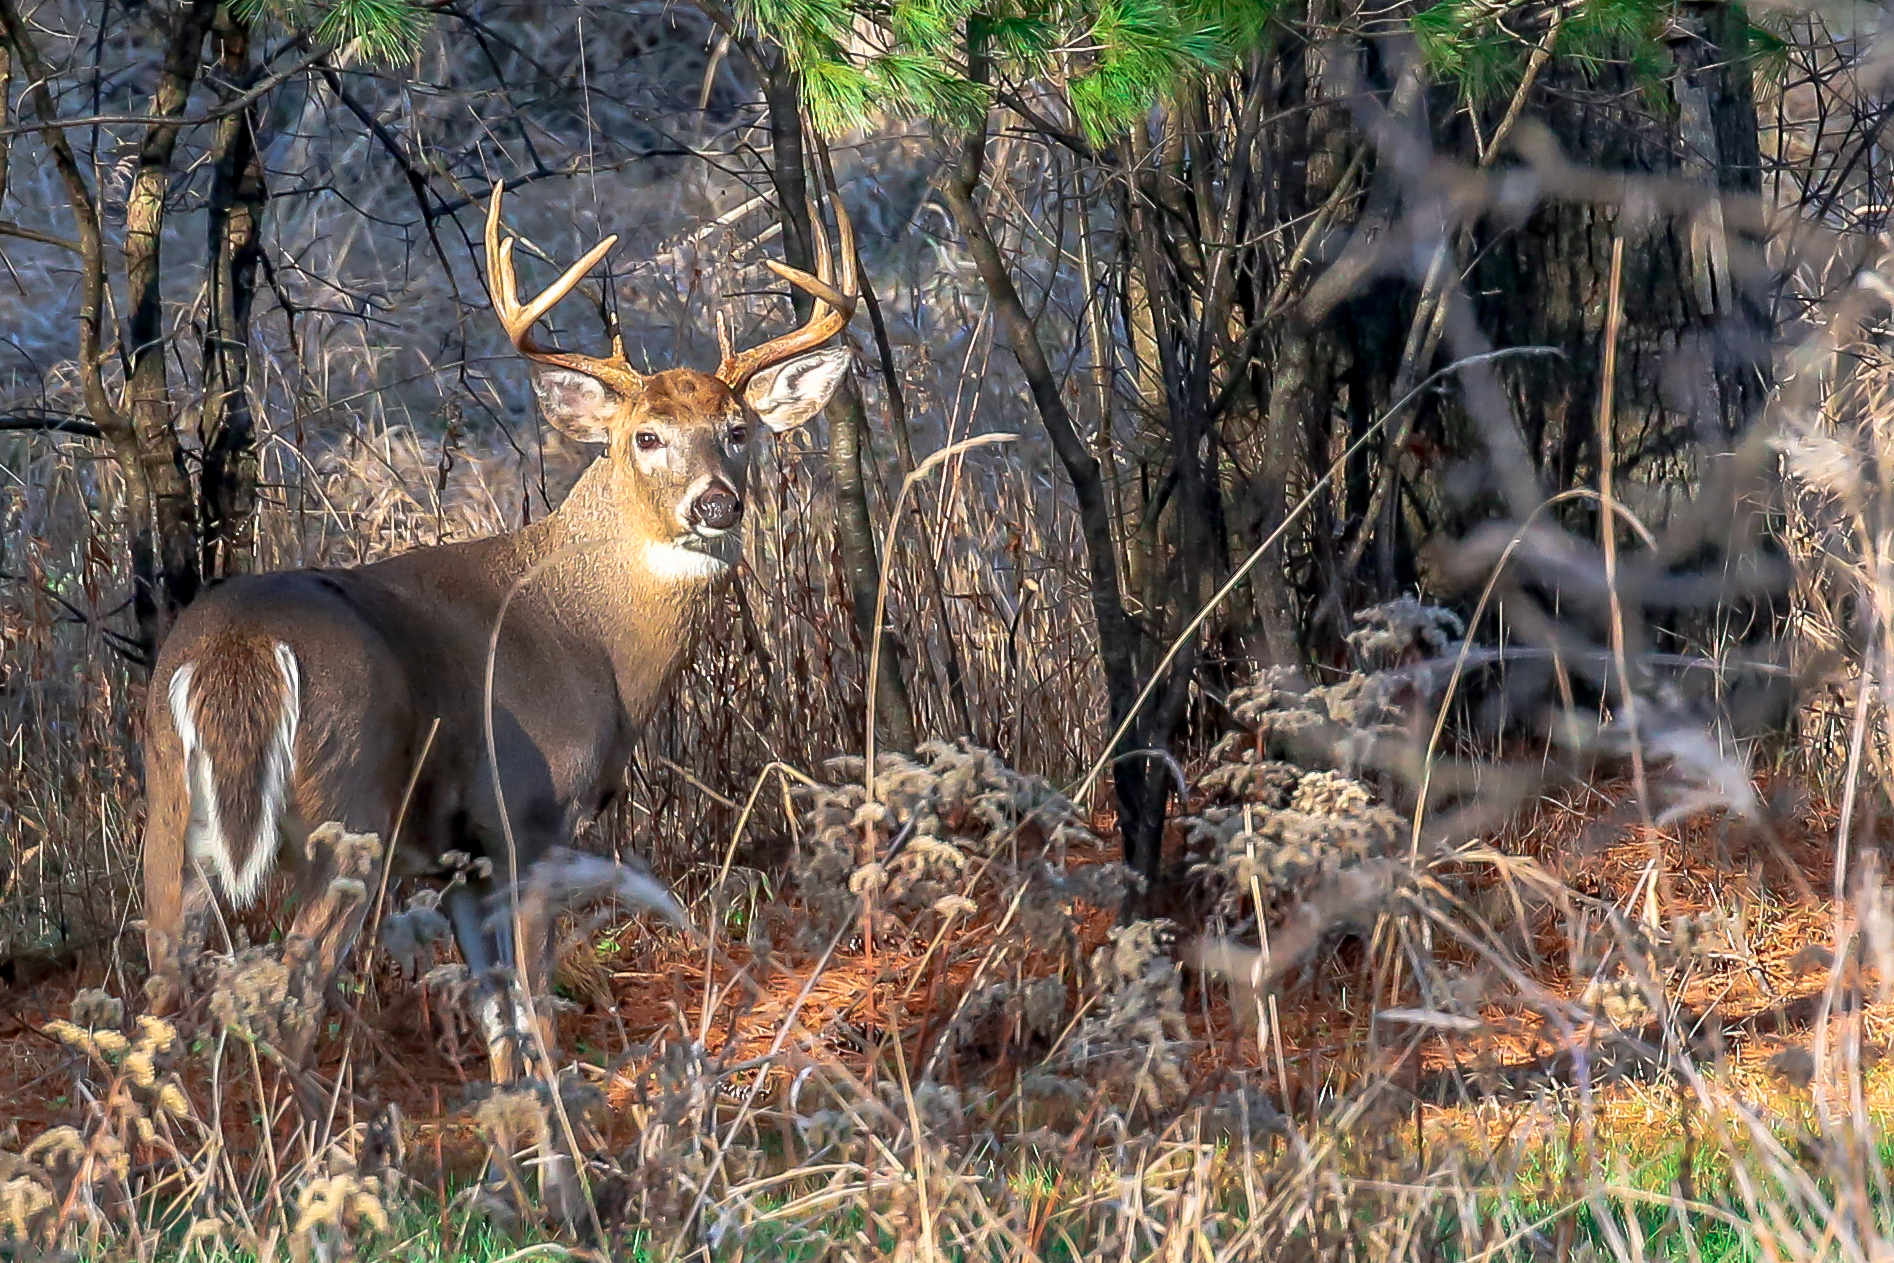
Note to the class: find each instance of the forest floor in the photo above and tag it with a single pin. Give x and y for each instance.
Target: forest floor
(1505, 1085)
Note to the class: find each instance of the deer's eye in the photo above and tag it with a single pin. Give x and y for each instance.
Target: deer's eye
(739, 435)
(648, 441)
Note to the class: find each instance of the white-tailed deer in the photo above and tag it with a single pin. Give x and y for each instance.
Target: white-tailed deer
(284, 701)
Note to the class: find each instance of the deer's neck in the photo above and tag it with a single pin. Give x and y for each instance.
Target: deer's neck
(604, 576)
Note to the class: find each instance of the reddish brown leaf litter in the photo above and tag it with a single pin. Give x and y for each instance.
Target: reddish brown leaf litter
(871, 999)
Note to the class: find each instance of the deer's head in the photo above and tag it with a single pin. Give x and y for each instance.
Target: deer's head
(679, 443)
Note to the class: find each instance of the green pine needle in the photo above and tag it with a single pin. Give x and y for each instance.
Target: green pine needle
(385, 31)
(838, 94)
(1147, 50)
(1131, 53)
(1466, 42)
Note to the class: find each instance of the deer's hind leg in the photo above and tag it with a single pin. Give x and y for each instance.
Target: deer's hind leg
(341, 873)
(341, 813)
(178, 910)
(177, 897)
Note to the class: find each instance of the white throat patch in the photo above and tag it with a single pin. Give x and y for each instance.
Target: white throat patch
(678, 563)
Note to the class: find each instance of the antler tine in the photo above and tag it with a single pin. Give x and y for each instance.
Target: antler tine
(835, 304)
(828, 297)
(824, 256)
(550, 296)
(823, 284)
(501, 284)
(850, 280)
(840, 295)
(616, 371)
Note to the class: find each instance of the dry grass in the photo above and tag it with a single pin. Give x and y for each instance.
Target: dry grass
(836, 1093)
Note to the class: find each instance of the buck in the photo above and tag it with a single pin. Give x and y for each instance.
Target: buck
(287, 700)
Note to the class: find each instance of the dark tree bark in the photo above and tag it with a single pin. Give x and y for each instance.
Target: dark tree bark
(228, 483)
(1305, 176)
(1180, 219)
(1693, 361)
(1693, 352)
(1716, 108)
(1138, 778)
(169, 577)
(847, 418)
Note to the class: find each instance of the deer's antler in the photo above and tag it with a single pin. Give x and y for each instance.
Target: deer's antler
(835, 303)
(616, 372)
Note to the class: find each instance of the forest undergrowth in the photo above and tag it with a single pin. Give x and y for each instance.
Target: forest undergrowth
(920, 1028)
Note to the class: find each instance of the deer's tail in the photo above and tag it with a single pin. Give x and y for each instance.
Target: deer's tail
(236, 705)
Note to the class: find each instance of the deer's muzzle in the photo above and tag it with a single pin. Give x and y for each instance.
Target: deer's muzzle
(717, 508)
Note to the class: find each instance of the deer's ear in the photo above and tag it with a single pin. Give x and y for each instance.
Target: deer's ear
(792, 392)
(578, 404)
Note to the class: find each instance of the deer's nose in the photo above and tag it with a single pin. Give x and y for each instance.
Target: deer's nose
(718, 508)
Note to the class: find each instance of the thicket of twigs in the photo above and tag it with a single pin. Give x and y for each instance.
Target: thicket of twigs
(1540, 914)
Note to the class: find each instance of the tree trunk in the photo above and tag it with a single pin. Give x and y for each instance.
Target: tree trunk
(228, 487)
(855, 537)
(91, 248)
(854, 525)
(850, 458)
(1693, 352)
(1716, 110)
(165, 558)
(1140, 810)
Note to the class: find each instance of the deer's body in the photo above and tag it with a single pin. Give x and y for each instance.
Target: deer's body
(281, 702)
(586, 649)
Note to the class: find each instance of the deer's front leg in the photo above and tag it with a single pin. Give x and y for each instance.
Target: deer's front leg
(486, 942)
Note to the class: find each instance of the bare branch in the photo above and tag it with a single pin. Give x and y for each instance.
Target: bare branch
(10, 229)
(49, 422)
(85, 213)
(236, 105)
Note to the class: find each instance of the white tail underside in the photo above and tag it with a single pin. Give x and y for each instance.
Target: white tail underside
(239, 877)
